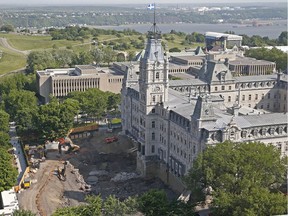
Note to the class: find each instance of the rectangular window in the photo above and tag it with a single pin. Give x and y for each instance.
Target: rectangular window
(230, 87)
(216, 89)
(256, 97)
(153, 136)
(243, 97)
(268, 96)
(153, 149)
(153, 124)
(249, 97)
(222, 87)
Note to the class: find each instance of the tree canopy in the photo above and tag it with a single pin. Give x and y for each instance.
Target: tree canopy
(55, 119)
(245, 178)
(8, 174)
(274, 55)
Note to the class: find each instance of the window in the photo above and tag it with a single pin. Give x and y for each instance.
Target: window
(268, 96)
(153, 136)
(262, 96)
(229, 98)
(216, 89)
(256, 97)
(243, 97)
(153, 124)
(230, 87)
(157, 75)
(222, 87)
(268, 106)
(249, 97)
(153, 149)
(153, 110)
(153, 98)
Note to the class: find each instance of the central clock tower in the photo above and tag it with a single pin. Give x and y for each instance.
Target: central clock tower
(153, 91)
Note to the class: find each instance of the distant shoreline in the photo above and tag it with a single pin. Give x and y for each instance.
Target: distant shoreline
(271, 31)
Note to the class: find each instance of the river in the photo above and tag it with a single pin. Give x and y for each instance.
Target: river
(272, 31)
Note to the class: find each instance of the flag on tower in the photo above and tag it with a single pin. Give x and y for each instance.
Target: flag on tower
(151, 6)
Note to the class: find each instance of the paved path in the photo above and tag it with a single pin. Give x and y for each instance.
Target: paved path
(4, 42)
(19, 155)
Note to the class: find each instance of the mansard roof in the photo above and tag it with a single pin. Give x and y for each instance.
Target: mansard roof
(215, 72)
(270, 77)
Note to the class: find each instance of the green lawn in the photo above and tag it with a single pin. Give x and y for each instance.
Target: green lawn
(11, 61)
(29, 42)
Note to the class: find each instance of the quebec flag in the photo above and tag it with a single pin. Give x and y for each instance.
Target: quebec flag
(151, 6)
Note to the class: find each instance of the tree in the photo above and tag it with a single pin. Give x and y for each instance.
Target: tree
(108, 55)
(22, 212)
(175, 49)
(18, 100)
(114, 207)
(245, 178)
(153, 202)
(97, 55)
(7, 28)
(8, 173)
(93, 102)
(4, 140)
(56, 119)
(274, 55)
(4, 121)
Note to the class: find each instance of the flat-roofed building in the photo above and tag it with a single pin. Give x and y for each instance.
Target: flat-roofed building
(222, 40)
(60, 82)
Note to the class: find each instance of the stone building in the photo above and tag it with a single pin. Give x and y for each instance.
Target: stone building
(172, 121)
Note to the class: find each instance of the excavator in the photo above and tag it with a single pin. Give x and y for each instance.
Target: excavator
(67, 142)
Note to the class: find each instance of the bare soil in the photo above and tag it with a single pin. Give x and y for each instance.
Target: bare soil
(103, 161)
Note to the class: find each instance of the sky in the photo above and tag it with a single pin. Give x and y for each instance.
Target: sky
(97, 2)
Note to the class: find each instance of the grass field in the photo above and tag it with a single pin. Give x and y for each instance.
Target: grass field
(11, 61)
(28, 42)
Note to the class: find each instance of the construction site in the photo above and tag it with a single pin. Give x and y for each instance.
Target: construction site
(98, 162)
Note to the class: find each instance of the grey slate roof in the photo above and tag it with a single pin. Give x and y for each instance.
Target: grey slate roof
(271, 77)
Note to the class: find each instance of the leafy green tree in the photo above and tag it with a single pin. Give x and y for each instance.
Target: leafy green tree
(131, 55)
(4, 140)
(97, 55)
(113, 101)
(114, 207)
(93, 207)
(16, 101)
(274, 55)
(154, 202)
(63, 57)
(109, 55)
(4, 121)
(22, 212)
(175, 49)
(7, 28)
(245, 178)
(8, 174)
(83, 58)
(56, 119)
(18, 82)
(40, 60)
(93, 102)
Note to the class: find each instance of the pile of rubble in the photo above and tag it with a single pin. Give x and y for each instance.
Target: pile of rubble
(79, 178)
(124, 176)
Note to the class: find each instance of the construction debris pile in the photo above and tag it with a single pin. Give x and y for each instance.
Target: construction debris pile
(124, 176)
(79, 178)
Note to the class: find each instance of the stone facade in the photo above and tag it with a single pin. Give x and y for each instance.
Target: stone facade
(173, 121)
